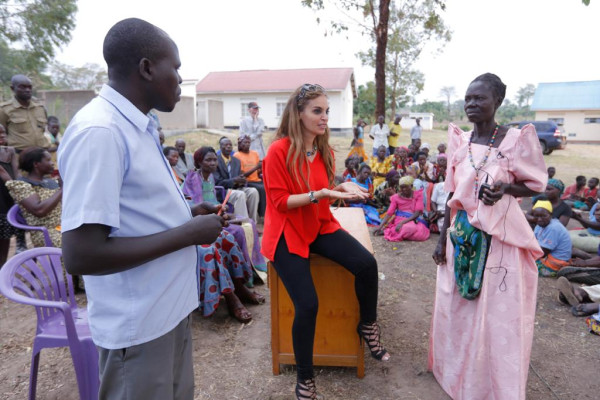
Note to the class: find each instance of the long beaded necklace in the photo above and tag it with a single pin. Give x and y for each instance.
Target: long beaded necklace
(485, 158)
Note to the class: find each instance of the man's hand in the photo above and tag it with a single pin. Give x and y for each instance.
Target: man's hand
(205, 208)
(239, 181)
(204, 229)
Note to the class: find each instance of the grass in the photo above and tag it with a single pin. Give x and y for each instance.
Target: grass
(576, 159)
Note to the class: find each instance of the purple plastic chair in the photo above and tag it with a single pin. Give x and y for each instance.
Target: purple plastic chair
(16, 219)
(36, 277)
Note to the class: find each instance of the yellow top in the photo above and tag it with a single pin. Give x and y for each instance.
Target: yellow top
(393, 140)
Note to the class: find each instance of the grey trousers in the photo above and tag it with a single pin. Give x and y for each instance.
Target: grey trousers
(245, 202)
(161, 369)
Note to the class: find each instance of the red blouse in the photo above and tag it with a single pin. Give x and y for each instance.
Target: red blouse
(299, 225)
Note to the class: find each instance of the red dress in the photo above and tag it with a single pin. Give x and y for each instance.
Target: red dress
(301, 225)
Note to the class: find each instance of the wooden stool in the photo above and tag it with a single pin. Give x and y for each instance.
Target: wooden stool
(336, 340)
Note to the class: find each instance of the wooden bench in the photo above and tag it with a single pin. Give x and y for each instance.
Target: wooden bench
(336, 340)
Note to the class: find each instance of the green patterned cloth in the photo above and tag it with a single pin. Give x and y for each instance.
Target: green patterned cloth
(471, 247)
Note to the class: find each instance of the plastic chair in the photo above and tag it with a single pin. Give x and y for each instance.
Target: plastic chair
(16, 219)
(36, 277)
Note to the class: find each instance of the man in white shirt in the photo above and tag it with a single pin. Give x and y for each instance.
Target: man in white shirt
(254, 126)
(379, 133)
(415, 131)
(127, 227)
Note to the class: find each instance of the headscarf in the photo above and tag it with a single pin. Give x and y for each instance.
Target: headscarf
(404, 148)
(406, 180)
(391, 174)
(545, 204)
(425, 146)
(557, 183)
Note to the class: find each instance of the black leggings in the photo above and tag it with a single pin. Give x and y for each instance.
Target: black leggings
(294, 272)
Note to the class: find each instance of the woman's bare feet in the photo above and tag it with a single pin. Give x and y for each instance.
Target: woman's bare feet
(584, 309)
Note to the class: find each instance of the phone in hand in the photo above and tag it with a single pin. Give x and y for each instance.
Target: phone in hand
(481, 188)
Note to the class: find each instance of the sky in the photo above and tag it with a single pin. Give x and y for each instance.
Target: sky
(522, 41)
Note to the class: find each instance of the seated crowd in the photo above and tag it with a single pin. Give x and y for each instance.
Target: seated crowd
(572, 255)
(407, 202)
(407, 198)
(226, 268)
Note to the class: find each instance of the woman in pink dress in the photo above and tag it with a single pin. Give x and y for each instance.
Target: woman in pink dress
(405, 212)
(484, 310)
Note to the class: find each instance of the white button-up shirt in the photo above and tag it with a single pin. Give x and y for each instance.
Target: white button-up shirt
(115, 174)
(380, 133)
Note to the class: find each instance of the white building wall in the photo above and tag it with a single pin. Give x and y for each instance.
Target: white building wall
(410, 120)
(340, 103)
(574, 125)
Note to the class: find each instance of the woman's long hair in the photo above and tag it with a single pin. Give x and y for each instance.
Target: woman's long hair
(291, 127)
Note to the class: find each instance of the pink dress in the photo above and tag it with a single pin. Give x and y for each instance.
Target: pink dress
(413, 230)
(480, 349)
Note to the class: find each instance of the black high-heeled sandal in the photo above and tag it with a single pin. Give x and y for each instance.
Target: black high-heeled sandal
(307, 390)
(371, 334)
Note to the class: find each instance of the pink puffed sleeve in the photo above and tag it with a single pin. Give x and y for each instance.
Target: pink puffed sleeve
(418, 200)
(393, 204)
(527, 164)
(455, 135)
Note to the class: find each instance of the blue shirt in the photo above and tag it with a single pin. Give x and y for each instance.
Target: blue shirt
(554, 237)
(115, 174)
(594, 232)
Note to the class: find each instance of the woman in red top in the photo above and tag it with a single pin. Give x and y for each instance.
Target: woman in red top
(298, 174)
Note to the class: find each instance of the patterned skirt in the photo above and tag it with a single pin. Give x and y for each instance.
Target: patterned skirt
(218, 264)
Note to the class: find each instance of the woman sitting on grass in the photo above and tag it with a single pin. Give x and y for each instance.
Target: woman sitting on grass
(560, 210)
(380, 166)
(386, 190)
(553, 238)
(401, 161)
(405, 213)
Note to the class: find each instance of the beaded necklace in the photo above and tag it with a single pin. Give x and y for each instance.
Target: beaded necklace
(485, 158)
(313, 152)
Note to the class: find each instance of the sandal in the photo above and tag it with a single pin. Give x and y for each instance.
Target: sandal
(566, 289)
(250, 297)
(237, 310)
(582, 310)
(241, 314)
(307, 390)
(371, 334)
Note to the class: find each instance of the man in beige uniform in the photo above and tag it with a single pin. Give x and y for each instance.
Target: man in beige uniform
(24, 119)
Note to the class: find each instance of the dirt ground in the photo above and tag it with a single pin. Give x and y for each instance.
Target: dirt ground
(233, 361)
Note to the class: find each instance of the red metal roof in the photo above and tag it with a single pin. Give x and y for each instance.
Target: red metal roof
(284, 80)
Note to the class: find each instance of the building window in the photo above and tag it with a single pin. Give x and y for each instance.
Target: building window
(244, 105)
(595, 120)
(557, 121)
(280, 108)
(245, 112)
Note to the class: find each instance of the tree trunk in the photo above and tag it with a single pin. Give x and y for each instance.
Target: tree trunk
(381, 32)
